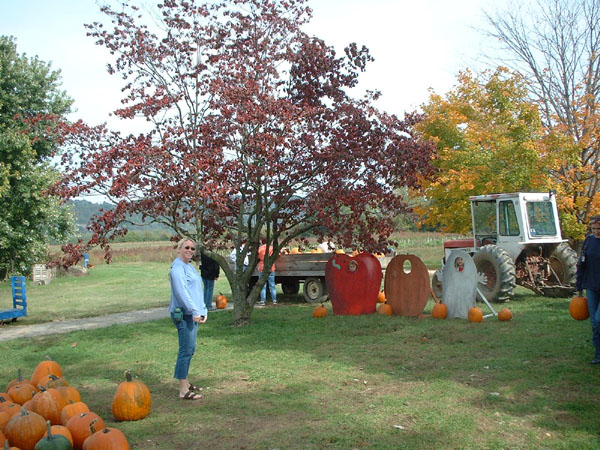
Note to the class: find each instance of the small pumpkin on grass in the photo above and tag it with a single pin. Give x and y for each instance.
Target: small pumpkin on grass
(25, 429)
(578, 308)
(475, 314)
(52, 441)
(221, 301)
(132, 401)
(505, 314)
(106, 439)
(440, 311)
(319, 312)
(385, 309)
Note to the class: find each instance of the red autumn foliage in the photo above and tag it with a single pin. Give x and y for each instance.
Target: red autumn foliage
(251, 131)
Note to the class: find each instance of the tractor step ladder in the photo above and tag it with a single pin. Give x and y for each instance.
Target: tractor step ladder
(19, 297)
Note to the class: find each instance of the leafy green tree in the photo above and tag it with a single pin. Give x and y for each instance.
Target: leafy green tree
(31, 104)
(489, 139)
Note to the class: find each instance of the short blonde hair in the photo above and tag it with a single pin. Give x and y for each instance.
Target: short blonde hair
(183, 241)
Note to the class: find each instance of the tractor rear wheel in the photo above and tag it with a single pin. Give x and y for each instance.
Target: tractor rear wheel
(436, 283)
(563, 261)
(499, 270)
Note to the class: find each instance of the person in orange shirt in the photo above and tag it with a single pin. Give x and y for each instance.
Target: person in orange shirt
(262, 250)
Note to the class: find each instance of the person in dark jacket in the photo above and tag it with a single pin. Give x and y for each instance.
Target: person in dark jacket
(209, 270)
(588, 278)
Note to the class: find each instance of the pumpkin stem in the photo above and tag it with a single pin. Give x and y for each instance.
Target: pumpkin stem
(24, 411)
(49, 428)
(128, 375)
(6, 447)
(92, 427)
(19, 375)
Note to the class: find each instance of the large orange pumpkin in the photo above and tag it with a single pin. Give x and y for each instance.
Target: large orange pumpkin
(385, 309)
(505, 314)
(25, 429)
(4, 418)
(320, 312)
(475, 314)
(45, 368)
(440, 311)
(46, 405)
(578, 308)
(132, 401)
(106, 439)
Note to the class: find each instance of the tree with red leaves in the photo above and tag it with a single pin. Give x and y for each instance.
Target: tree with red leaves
(251, 132)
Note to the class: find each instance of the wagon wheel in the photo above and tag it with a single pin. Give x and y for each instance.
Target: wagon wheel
(314, 290)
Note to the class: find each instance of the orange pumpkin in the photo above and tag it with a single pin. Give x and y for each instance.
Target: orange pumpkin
(505, 314)
(108, 438)
(578, 308)
(45, 368)
(46, 405)
(25, 429)
(221, 301)
(18, 380)
(132, 401)
(4, 418)
(52, 381)
(5, 397)
(381, 297)
(11, 408)
(440, 311)
(320, 312)
(79, 426)
(72, 409)
(385, 309)
(475, 314)
(22, 392)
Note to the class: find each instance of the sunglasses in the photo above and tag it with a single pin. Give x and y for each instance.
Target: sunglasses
(189, 248)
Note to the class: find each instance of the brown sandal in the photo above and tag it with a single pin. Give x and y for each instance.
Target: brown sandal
(191, 395)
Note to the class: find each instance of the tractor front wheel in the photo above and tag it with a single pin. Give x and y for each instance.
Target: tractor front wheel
(499, 270)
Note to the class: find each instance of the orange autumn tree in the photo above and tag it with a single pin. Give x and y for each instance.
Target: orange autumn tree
(489, 138)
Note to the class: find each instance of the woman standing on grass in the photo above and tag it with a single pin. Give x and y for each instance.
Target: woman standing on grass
(187, 310)
(588, 278)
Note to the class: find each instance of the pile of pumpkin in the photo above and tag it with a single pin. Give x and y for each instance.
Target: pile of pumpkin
(44, 413)
(440, 311)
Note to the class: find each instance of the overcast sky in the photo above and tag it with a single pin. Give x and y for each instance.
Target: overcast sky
(417, 45)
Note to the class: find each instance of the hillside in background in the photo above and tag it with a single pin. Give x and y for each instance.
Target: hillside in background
(84, 210)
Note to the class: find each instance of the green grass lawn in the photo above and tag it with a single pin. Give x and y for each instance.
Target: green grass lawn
(290, 381)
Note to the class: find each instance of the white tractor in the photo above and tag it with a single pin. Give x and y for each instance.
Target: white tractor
(516, 240)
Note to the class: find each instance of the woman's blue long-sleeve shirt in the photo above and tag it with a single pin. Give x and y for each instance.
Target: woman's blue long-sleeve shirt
(186, 289)
(588, 265)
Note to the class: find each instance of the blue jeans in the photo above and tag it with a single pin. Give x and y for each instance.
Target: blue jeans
(272, 289)
(593, 300)
(209, 286)
(187, 330)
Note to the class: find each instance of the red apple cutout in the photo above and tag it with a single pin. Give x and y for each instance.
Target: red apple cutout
(353, 283)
